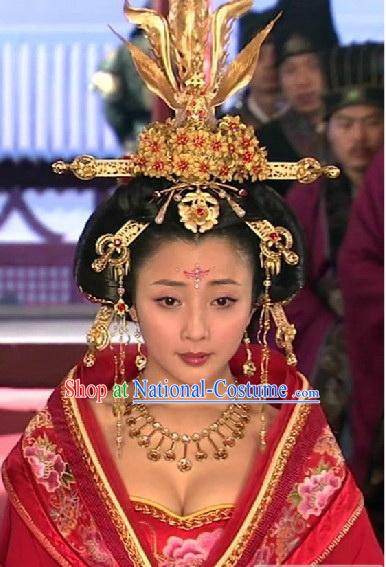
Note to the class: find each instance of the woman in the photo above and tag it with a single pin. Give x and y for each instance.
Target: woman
(189, 258)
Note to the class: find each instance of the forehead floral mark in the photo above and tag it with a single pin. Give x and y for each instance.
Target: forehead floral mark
(197, 274)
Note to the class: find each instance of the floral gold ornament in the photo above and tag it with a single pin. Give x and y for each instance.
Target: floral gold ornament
(230, 153)
(199, 211)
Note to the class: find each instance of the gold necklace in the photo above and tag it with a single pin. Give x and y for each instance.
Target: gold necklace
(138, 417)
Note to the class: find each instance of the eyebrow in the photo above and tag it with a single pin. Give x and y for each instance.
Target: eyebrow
(173, 283)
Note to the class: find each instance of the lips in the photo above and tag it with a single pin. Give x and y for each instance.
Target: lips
(195, 358)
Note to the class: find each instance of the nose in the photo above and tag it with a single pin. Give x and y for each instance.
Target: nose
(196, 326)
(359, 132)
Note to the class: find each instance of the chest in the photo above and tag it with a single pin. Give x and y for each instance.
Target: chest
(210, 482)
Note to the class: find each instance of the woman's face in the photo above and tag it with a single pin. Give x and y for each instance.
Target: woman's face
(193, 298)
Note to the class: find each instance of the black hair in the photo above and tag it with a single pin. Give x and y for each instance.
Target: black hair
(135, 201)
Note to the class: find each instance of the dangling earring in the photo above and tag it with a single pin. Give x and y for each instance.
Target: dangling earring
(140, 359)
(264, 327)
(285, 333)
(118, 409)
(249, 367)
(137, 332)
(98, 337)
(120, 309)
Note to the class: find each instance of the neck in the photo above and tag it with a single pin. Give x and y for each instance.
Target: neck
(265, 100)
(356, 177)
(315, 118)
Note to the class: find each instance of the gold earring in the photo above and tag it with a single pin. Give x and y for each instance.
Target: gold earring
(140, 359)
(249, 367)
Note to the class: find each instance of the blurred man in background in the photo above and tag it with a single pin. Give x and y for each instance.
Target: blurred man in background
(299, 41)
(262, 101)
(361, 275)
(127, 102)
(354, 112)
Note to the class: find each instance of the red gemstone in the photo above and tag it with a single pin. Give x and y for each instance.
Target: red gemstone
(274, 235)
(200, 211)
(247, 156)
(243, 192)
(121, 307)
(117, 242)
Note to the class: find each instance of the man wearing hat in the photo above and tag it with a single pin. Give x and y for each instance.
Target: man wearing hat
(301, 35)
(262, 101)
(127, 102)
(354, 113)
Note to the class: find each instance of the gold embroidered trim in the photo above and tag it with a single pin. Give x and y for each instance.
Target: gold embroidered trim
(30, 524)
(344, 531)
(195, 520)
(117, 515)
(272, 478)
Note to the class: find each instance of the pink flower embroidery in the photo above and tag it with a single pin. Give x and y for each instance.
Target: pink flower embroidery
(315, 492)
(189, 552)
(46, 466)
(263, 556)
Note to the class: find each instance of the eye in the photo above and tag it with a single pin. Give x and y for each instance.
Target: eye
(167, 301)
(225, 301)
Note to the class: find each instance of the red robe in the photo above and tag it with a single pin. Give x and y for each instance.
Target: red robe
(310, 314)
(361, 276)
(68, 504)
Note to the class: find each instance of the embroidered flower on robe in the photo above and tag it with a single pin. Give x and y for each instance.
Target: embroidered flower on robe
(315, 491)
(263, 556)
(327, 445)
(47, 465)
(95, 547)
(179, 552)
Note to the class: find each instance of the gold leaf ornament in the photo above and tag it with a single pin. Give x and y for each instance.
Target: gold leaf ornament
(221, 26)
(153, 76)
(240, 71)
(156, 29)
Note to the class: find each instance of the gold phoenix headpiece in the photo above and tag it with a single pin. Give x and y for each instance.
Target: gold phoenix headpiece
(200, 156)
(188, 69)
